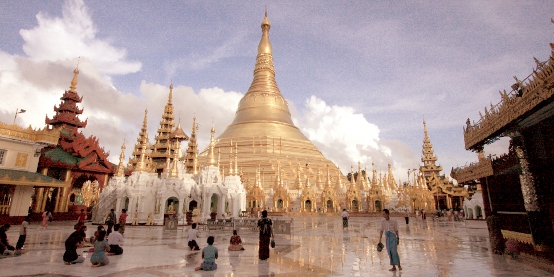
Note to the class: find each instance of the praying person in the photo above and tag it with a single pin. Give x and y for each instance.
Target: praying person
(73, 241)
(209, 254)
(236, 242)
(390, 228)
(193, 235)
(115, 239)
(4, 244)
(99, 258)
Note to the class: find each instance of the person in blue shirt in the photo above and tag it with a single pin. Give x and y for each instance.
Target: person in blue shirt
(209, 254)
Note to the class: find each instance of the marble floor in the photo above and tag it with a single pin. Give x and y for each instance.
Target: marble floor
(318, 247)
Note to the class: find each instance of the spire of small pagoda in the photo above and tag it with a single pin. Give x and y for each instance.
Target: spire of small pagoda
(192, 150)
(298, 182)
(67, 112)
(120, 168)
(374, 177)
(392, 181)
(162, 148)
(212, 142)
(340, 185)
(428, 158)
(141, 140)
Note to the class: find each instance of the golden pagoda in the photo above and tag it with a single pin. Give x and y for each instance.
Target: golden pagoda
(267, 142)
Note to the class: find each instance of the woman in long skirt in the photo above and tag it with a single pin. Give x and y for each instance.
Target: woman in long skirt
(45, 219)
(266, 233)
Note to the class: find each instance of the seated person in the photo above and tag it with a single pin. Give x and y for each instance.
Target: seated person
(99, 258)
(73, 241)
(193, 235)
(96, 233)
(115, 240)
(236, 242)
(5, 247)
(209, 254)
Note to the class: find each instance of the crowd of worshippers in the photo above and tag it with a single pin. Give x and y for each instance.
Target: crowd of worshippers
(104, 245)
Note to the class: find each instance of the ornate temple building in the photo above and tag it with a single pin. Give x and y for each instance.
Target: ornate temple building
(20, 149)
(518, 185)
(446, 194)
(75, 159)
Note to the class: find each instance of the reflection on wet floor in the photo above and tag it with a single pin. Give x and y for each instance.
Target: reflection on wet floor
(318, 246)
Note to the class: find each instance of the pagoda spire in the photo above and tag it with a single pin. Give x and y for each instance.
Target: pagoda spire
(339, 179)
(162, 148)
(120, 168)
(192, 150)
(212, 142)
(428, 156)
(392, 181)
(67, 112)
(298, 179)
(141, 140)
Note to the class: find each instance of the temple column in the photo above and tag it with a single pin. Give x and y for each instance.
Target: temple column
(37, 204)
(66, 192)
(57, 205)
(539, 221)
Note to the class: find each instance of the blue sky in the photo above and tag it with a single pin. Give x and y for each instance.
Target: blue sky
(359, 76)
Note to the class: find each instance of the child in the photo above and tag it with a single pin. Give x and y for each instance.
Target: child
(193, 235)
(22, 234)
(209, 254)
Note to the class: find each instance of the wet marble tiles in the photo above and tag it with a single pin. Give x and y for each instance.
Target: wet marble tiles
(318, 246)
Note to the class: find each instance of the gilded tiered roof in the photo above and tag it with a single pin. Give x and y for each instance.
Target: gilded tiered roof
(142, 140)
(162, 150)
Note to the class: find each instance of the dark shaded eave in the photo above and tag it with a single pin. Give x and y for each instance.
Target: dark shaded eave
(25, 178)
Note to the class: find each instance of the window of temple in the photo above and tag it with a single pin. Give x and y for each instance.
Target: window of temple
(2, 155)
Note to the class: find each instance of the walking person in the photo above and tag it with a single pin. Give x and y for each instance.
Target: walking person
(22, 234)
(81, 219)
(46, 217)
(345, 217)
(390, 228)
(265, 226)
(407, 217)
(122, 221)
(110, 220)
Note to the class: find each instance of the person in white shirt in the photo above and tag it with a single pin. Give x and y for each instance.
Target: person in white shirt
(193, 235)
(22, 234)
(389, 226)
(115, 240)
(345, 217)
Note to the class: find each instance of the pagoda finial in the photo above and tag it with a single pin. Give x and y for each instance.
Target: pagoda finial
(212, 158)
(265, 46)
(73, 86)
(120, 168)
(170, 98)
(236, 158)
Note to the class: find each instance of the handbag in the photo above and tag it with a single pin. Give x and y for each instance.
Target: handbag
(380, 247)
(272, 243)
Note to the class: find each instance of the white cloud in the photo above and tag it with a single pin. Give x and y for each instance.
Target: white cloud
(346, 137)
(72, 36)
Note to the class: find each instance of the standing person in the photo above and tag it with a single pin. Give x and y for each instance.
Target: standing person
(115, 239)
(122, 221)
(4, 244)
(74, 240)
(345, 217)
(46, 217)
(423, 214)
(259, 213)
(22, 234)
(193, 235)
(81, 219)
(265, 226)
(390, 228)
(252, 213)
(110, 220)
(209, 254)
(99, 257)
(407, 217)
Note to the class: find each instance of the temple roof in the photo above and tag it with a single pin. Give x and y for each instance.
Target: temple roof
(18, 177)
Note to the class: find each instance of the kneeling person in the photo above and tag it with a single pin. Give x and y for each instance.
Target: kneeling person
(115, 239)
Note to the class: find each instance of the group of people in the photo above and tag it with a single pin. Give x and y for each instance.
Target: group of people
(5, 247)
(210, 253)
(105, 242)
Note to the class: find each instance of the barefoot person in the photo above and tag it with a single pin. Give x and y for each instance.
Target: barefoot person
(209, 254)
(236, 242)
(193, 235)
(390, 228)
(99, 257)
(345, 217)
